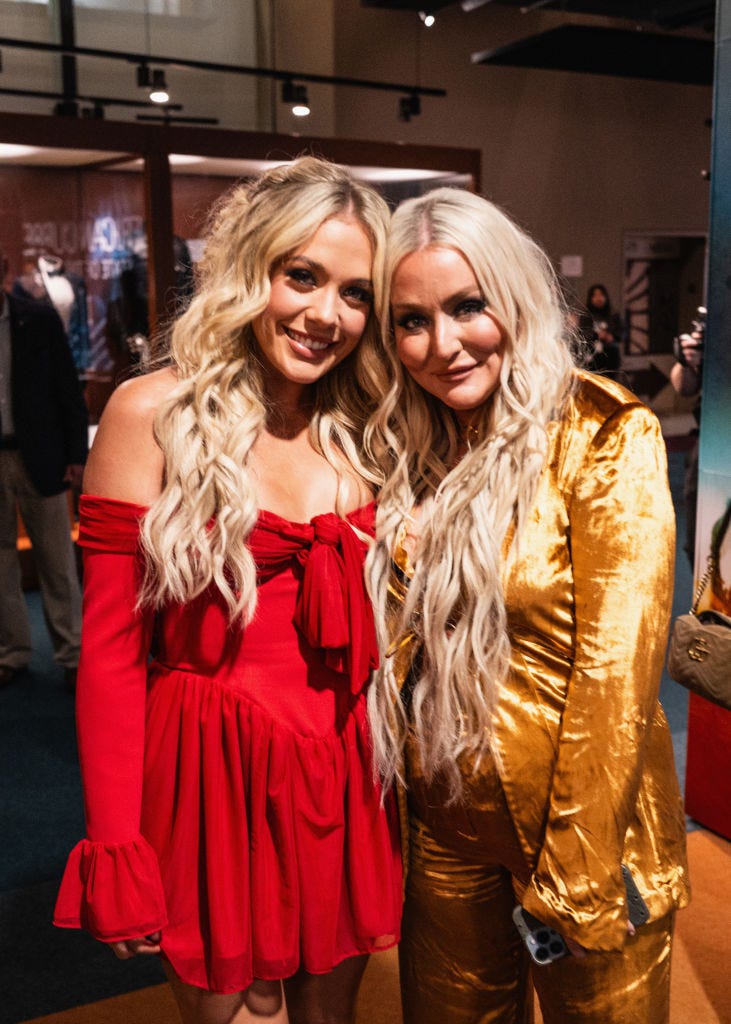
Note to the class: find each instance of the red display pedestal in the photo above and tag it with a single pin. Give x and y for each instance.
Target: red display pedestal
(708, 771)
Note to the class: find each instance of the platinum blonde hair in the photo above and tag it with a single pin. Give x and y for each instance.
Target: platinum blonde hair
(455, 607)
(194, 535)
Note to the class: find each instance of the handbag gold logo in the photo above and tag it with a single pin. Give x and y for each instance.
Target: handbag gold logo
(698, 649)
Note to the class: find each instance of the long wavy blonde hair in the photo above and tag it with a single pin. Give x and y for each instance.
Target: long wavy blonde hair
(455, 607)
(194, 535)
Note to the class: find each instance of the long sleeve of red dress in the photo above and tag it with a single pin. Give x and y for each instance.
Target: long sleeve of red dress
(228, 782)
(112, 884)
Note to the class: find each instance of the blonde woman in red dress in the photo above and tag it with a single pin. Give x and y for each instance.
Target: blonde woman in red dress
(232, 818)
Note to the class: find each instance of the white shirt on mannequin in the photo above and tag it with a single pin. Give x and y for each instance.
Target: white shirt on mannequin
(58, 287)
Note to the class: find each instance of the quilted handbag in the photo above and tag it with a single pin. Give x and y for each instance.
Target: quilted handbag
(699, 654)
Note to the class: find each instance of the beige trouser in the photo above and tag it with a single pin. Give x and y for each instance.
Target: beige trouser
(47, 523)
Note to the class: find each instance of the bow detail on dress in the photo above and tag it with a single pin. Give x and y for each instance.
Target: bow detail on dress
(333, 611)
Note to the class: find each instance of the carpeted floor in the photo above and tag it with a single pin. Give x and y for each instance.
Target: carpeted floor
(701, 993)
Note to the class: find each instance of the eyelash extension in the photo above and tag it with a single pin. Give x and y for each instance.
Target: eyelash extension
(471, 306)
(407, 319)
(362, 294)
(299, 273)
(304, 276)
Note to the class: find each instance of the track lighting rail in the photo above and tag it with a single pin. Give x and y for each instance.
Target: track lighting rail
(105, 101)
(235, 69)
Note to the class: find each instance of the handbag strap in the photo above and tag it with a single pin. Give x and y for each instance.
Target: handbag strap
(717, 539)
(712, 560)
(703, 583)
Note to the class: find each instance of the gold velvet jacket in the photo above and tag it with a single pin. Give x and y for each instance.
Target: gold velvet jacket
(585, 750)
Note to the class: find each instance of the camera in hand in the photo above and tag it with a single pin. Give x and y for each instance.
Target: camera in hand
(697, 333)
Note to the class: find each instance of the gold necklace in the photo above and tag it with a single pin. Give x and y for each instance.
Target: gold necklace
(469, 434)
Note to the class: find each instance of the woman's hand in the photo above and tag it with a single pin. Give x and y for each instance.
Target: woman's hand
(128, 948)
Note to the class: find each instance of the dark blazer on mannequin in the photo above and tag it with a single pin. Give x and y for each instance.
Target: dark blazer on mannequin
(51, 419)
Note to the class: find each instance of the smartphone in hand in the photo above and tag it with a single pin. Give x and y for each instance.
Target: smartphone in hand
(543, 943)
(637, 911)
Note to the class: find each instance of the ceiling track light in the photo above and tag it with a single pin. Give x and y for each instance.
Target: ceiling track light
(95, 111)
(146, 78)
(296, 96)
(426, 18)
(140, 59)
(409, 106)
(159, 87)
(153, 81)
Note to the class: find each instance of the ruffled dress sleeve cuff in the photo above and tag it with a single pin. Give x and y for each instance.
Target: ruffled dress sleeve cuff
(113, 890)
(112, 885)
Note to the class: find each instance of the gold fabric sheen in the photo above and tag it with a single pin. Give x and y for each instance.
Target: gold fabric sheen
(462, 960)
(586, 762)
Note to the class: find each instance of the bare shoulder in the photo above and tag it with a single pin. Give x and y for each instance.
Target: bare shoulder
(125, 461)
(142, 395)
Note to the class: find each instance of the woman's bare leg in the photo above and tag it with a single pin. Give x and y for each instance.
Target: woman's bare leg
(325, 998)
(197, 1006)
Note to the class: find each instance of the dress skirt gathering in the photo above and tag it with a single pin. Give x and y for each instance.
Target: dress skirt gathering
(229, 790)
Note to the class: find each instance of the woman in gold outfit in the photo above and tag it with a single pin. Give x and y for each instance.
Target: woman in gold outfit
(523, 572)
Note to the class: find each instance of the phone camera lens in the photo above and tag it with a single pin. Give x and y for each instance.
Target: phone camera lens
(555, 947)
(543, 936)
(542, 953)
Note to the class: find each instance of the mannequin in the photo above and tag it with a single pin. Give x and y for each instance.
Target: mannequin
(58, 287)
(30, 282)
(127, 321)
(50, 282)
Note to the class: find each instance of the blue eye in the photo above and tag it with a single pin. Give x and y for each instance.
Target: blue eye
(356, 293)
(411, 322)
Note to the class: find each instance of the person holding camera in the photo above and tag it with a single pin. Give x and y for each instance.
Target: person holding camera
(686, 377)
(686, 372)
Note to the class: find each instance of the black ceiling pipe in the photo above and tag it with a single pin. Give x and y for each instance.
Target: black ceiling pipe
(69, 76)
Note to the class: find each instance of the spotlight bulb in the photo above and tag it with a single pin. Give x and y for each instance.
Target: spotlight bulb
(296, 95)
(427, 18)
(159, 88)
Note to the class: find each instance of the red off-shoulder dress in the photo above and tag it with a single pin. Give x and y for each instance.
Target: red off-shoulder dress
(228, 786)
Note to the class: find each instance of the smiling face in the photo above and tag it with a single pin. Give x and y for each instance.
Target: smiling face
(446, 337)
(320, 301)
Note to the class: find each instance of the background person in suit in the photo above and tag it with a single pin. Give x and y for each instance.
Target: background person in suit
(43, 446)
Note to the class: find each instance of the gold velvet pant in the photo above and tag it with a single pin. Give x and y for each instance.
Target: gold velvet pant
(462, 960)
